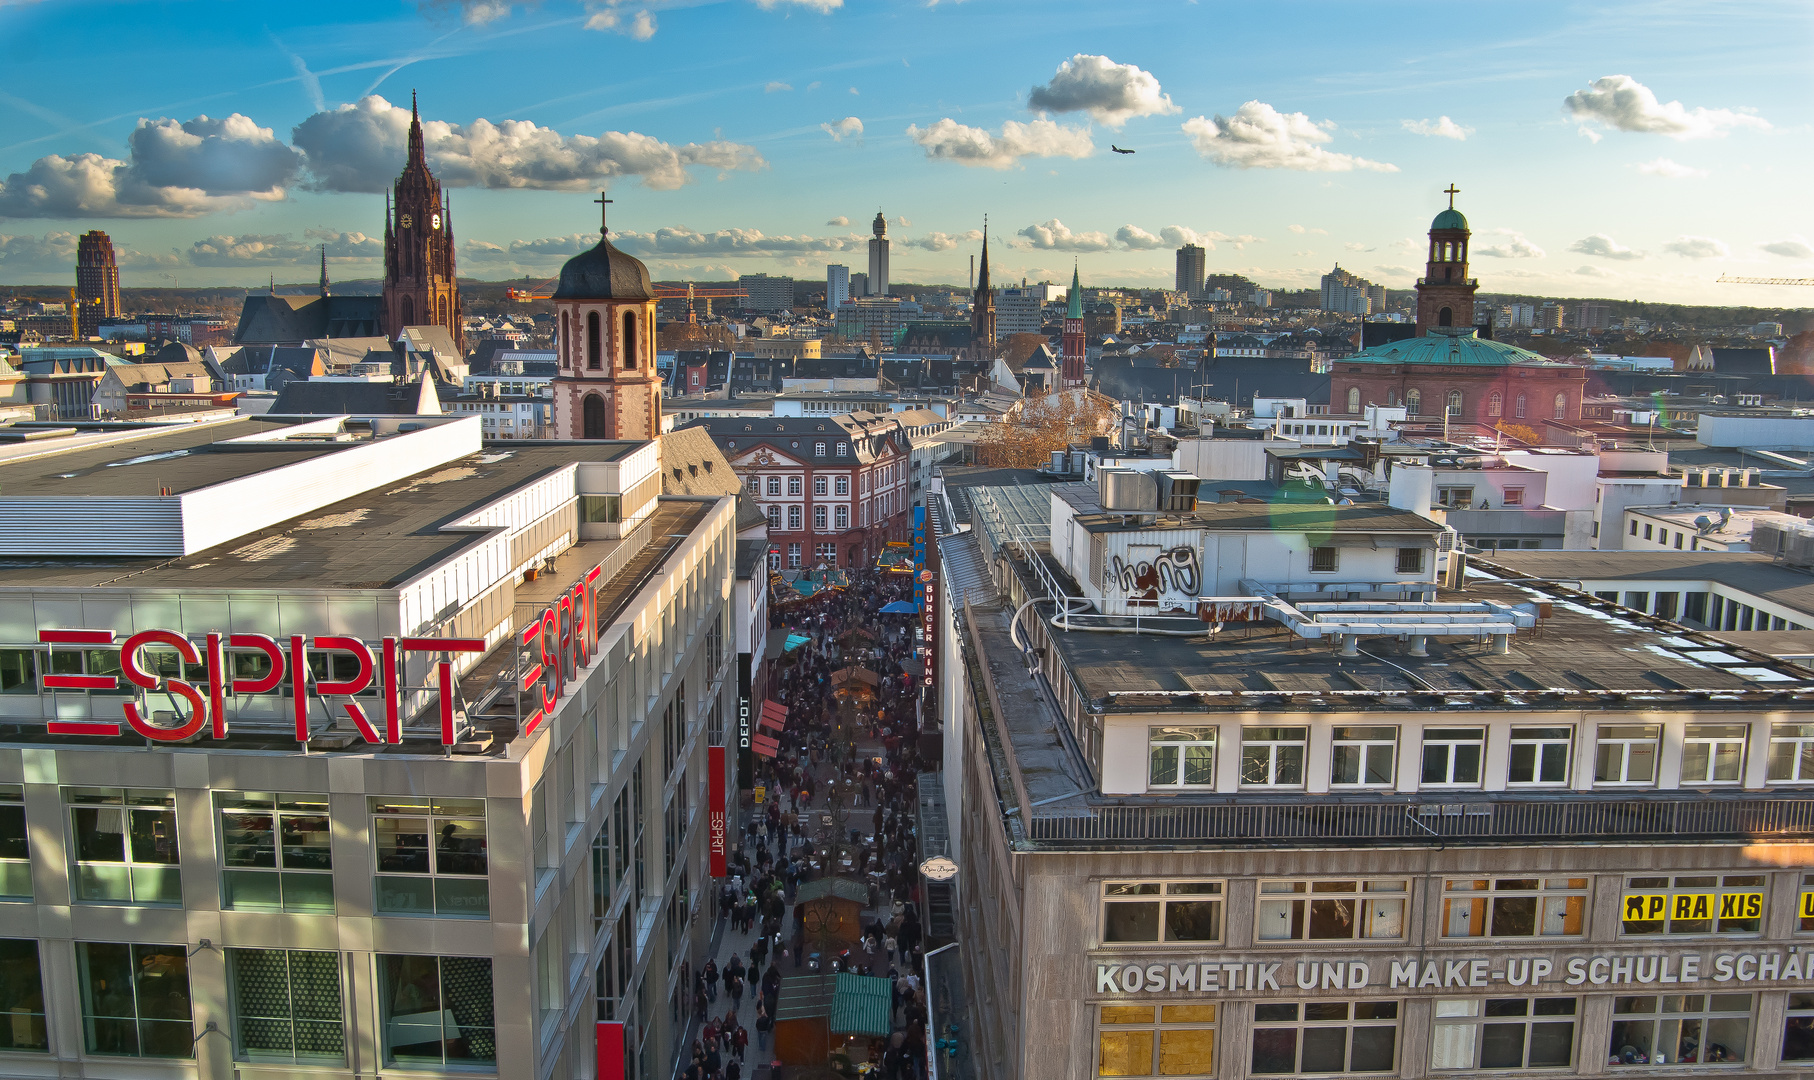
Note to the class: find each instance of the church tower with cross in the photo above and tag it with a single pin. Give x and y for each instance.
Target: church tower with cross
(419, 285)
(604, 308)
(1445, 294)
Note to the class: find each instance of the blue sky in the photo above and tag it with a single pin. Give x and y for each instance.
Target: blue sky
(1626, 150)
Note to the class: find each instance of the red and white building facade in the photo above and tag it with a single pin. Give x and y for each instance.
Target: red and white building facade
(835, 489)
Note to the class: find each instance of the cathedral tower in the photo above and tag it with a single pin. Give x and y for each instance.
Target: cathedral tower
(606, 386)
(1445, 294)
(419, 286)
(1072, 361)
(982, 306)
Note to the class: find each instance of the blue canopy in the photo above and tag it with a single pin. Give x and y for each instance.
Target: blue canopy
(899, 607)
(794, 641)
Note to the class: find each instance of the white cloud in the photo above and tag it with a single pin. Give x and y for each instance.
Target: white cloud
(53, 252)
(840, 220)
(1055, 235)
(1111, 93)
(1594, 272)
(849, 127)
(776, 87)
(1258, 136)
(612, 16)
(280, 250)
(1697, 247)
(949, 140)
(1602, 246)
(1134, 238)
(472, 12)
(938, 241)
(1442, 128)
(1588, 133)
(1515, 246)
(823, 7)
(1396, 271)
(1622, 103)
(361, 147)
(172, 170)
(1664, 167)
(1793, 247)
(1302, 229)
(680, 240)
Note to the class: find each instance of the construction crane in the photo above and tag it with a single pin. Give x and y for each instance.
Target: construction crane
(1725, 279)
(692, 293)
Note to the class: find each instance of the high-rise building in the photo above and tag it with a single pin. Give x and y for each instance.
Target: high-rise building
(1591, 317)
(1191, 270)
(859, 285)
(767, 293)
(837, 286)
(97, 280)
(419, 286)
(878, 258)
(1018, 311)
(1551, 316)
(604, 308)
(1345, 293)
(1071, 363)
(1445, 294)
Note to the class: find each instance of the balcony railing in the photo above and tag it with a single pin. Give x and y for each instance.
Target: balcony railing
(1311, 821)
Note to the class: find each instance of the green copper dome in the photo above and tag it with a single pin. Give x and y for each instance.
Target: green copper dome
(1449, 219)
(1451, 345)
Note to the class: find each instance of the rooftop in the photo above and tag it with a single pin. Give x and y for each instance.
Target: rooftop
(1454, 347)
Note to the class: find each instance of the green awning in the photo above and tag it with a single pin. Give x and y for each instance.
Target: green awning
(862, 1005)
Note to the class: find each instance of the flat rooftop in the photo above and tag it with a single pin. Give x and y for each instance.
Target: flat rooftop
(377, 539)
(181, 458)
(1746, 571)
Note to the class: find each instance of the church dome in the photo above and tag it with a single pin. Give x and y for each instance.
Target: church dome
(1449, 219)
(604, 273)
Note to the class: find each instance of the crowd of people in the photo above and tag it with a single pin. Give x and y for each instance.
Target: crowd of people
(849, 753)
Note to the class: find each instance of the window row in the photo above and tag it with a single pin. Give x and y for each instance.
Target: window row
(1330, 1037)
(430, 855)
(1184, 756)
(1160, 912)
(285, 1005)
(796, 485)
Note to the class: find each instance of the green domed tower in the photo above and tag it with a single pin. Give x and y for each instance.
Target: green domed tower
(1445, 294)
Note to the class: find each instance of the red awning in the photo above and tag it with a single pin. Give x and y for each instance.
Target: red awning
(764, 745)
(774, 715)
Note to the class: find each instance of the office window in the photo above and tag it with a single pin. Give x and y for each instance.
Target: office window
(437, 1011)
(1181, 756)
(774, 486)
(819, 518)
(1182, 1043)
(1681, 1029)
(1693, 904)
(841, 517)
(1410, 560)
(432, 858)
(1331, 910)
(1455, 498)
(774, 517)
(1451, 756)
(794, 519)
(124, 843)
(1798, 1029)
(1626, 754)
(818, 485)
(1503, 1033)
(1791, 757)
(1514, 907)
(1513, 496)
(841, 485)
(1647, 528)
(1634, 526)
(22, 990)
(15, 845)
(1713, 753)
(1539, 755)
(793, 551)
(1363, 756)
(19, 672)
(1324, 1037)
(1322, 560)
(135, 999)
(794, 485)
(286, 1005)
(274, 852)
(1149, 911)
(1273, 756)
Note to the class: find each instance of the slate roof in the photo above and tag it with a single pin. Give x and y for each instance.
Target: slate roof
(288, 320)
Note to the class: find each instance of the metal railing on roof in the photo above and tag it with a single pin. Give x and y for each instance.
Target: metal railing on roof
(1687, 816)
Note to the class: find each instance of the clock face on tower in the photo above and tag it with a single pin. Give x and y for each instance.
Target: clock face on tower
(407, 220)
(434, 222)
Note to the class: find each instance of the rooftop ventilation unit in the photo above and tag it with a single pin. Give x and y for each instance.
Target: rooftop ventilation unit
(1177, 492)
(1126, 491)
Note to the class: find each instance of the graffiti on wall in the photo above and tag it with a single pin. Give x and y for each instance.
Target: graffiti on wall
(1169, 581)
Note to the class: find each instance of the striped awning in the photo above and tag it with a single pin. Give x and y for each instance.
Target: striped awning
(862, 1005)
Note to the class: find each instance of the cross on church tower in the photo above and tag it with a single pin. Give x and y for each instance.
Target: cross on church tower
(1451, 191)
(603, 205)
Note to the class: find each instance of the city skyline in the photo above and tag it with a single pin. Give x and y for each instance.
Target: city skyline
(1604, 153)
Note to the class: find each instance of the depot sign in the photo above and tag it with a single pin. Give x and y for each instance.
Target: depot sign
(1623, 971)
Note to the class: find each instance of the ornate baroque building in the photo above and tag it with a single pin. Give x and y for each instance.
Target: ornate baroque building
(606, 387)
(419, 286)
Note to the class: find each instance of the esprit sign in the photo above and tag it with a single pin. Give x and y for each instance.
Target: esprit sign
(288, 660)
(1459, 973)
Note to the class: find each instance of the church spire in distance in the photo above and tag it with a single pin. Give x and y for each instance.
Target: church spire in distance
(324, 269)
(1073, 308)
(416, 154)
